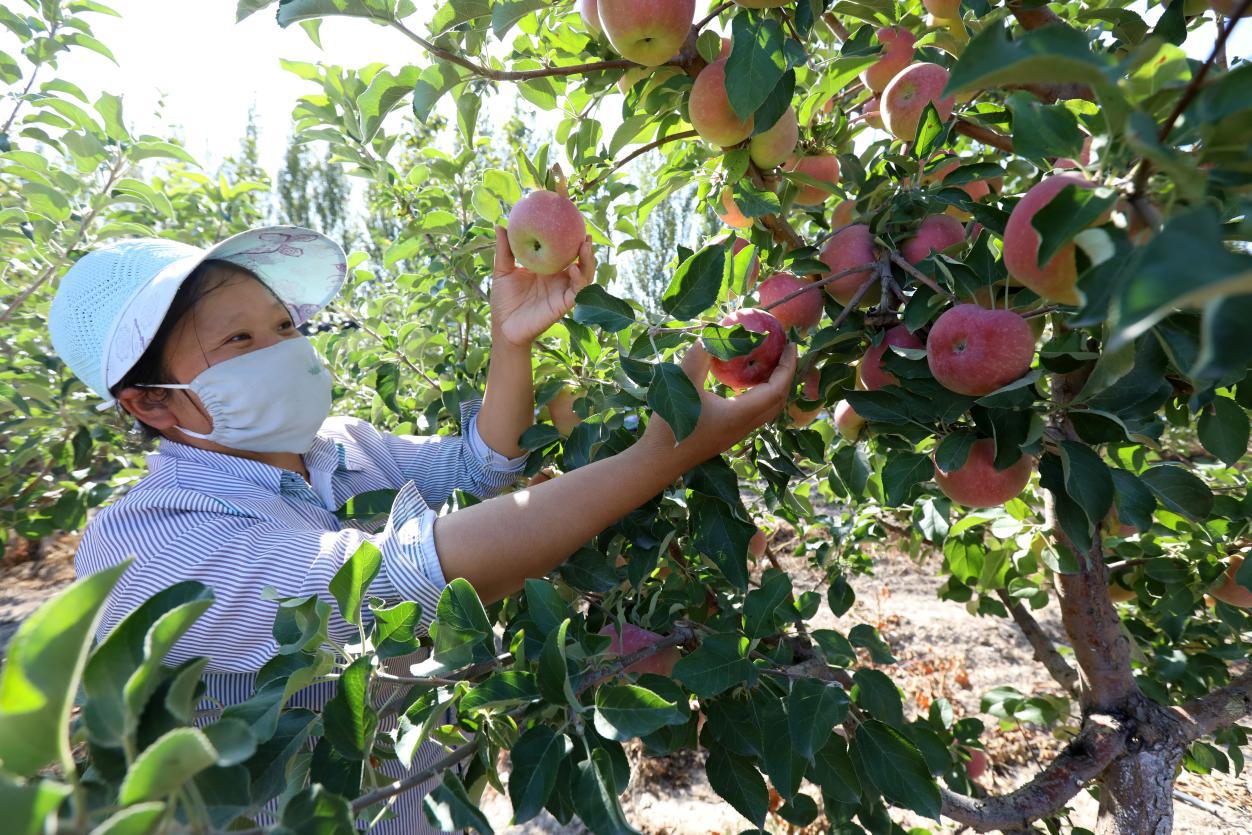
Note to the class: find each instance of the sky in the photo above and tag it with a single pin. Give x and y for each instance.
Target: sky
(210, 70)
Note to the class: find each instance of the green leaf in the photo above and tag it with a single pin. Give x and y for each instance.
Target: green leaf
(836, 648)
(433, 83)
(1041, 131)
(673, 396)
(367, 505)
(505, 15)
(353, 579)
(30, 808)
(233, 740)
(722, 536)
(165, 765)
(449, 807)
(534, 761)
(1135, 502)
(595, 796)
(901, 472)
(756, 62)
(719, 663)
(1179, 491)
(595, 306)
(953, 451)
(396, 628)
(1072, 210)
(739, 784)
(1223, 429)
(294, 11)
(316, 811)
(1087, 480)
(140, 819)
(834, 772)
(1057, 53)
(460, 625)
(930, 132)
(554, 672)
(300, 624)
(754, 202)
(501, 690)
(349, 719)
(41, 673)
(696, 283)
(813, 709)
(875, 692)
(545, 605)
(729, 342)
(761, 604)
(896, 768)
(624, 712)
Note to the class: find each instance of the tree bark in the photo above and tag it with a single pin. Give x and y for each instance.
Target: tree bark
(1137, 790)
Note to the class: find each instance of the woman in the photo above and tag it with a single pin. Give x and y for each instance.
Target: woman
(202, 349)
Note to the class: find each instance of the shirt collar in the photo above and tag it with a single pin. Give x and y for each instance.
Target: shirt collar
(325, 455)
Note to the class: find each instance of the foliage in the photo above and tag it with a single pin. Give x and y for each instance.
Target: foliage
(1136, 411)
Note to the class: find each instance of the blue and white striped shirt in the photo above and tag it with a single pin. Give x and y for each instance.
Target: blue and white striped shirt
(239, 526)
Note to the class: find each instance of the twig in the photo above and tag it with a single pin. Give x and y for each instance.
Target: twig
(984, 135)
(1212, 808)
(819, 283)
(432, 382)
(1045, 651)
(919, 275)
(635, 154)
(707, 19)
(1034, 17)
(836, 26)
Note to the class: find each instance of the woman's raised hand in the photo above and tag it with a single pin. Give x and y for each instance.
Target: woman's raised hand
(524, 304)
(724, 421)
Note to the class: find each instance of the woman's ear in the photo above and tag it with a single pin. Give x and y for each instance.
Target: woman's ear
(148, 406)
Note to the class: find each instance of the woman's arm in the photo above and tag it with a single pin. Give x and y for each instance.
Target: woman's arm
(499, 543)
(523, 305)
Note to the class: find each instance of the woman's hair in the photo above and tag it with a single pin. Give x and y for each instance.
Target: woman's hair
(150, 368)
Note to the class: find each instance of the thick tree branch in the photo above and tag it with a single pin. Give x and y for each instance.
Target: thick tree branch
(635, 154)
(984, 135)
(1045, 651)
(1102, 740)
(1218, 709)
(1034, 18)
(836, 26)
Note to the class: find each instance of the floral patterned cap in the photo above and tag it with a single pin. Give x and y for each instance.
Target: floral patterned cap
(110, 304)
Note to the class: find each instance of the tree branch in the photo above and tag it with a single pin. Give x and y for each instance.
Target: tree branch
(821, 282)
(919, 275)
(635, 154)
(1218, 709)
(1034, 18)
(707, 19)
(1102, 740)
(984, 135)
(836, 26)
(1045, 651)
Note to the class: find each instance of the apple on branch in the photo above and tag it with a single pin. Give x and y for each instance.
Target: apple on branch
(974, 351)
(935, 234)
(850, 247)
(709, 110)
(801, 312)
(874, 374)
(1056, 279)
(897, 54)
(772, 147)
(634, 638)
(648, 32)
(811, 391)
(977, 482)
(905, 99)
(848, 421)
(824, 168)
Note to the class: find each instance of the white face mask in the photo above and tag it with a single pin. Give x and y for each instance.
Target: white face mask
(270, 400)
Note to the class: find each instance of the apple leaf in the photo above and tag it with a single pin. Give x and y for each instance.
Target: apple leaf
(1043, 130)
(1223, 430)
(673, 396)
(754, 203)
(1087, 480)
(718, 664)
(596, 306)
(721, 536)
(450, 808)
(729, 342)
(1224, 343)
(696, 284)
(1135, 502)
(535, 759)
(1056, 53)
(1072, 210)
(953, 450)
(353, 579)
(1179, 491)
(626, 711)
(903, 471)
(896, 768)
(756, 63)
(930, 132)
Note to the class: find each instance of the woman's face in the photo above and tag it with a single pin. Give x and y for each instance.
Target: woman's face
(236, 316)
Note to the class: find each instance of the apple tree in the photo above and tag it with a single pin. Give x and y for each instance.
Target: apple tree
(1011, 241)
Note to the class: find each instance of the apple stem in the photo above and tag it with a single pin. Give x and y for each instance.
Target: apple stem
(559, 184)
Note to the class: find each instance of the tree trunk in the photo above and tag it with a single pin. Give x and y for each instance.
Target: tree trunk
(1137, 789)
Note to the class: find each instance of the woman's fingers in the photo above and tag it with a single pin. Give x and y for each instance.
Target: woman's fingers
(696, 363)
(504, 263)
(583, 271)
(771, 394)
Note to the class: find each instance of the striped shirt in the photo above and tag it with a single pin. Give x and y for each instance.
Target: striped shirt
(240, 526)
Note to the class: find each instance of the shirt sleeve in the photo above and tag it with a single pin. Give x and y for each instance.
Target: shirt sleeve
(238, 557)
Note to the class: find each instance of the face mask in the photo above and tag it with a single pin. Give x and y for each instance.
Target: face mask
(271, 400)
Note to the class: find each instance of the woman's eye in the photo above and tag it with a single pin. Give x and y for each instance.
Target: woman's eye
(240, 337)
(287, 325)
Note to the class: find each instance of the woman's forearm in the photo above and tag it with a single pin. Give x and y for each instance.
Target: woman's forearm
(501, 542)
(508, 407)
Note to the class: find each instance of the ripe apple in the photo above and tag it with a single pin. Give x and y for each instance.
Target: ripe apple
(545, 232)
(974, 351)
(874, 374)
(1230, 591)
(976, 190)
(847, 421)
(977, 483)
(752, 368)
(906, 97)
(771, 148)
(648, 32)
(871, 111)
(710, 111)
(756, 545)
(1055, 280)
(810, 390)
(561, 411)
(944, 9)
(897, 53)
(976, 765)
(843, 214)
(590, 15)
(823, 168)
(935, 234)
(635, 638)
(732, 217)
(1084, 157)
(802, 312)
(851, 246)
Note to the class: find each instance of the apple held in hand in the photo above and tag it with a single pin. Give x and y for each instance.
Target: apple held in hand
(874, 375)
(1055, 280)
(753, 368)
(977, 483)
(635, 638)
(545, 232)
(802, 312)
(974, 351)
(648, 32)
(935, 234)
(897, 53)
(709, 110)
(850, 247)
(905, 99)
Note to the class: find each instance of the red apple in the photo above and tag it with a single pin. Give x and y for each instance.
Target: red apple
(974, 351)
(871, 111)
(1230, 591)
(635, 638)
(977, 483)
(976, 766)
(753, 368)
(976, 190)
(811, 391)
(648, 32)
(1055, 280)
(906, 97)
(561, 410)
(935, 234)
(801, 312)
(732, 217)
(824, 168)
(843, 214)
(590, 15)
(545, 232)
(874, 374)
(757, 544)
(772, 147)
(847, 421)
(709, 108)
(897, 53)
(850, 247)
